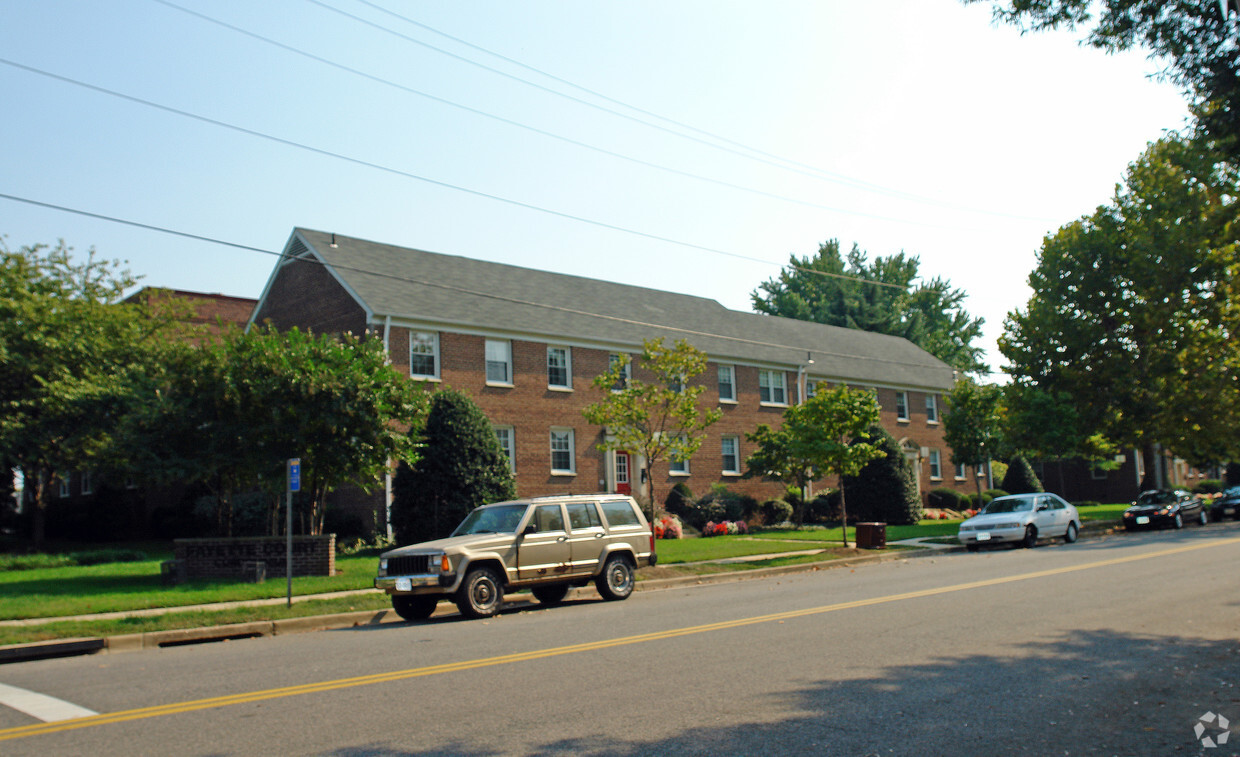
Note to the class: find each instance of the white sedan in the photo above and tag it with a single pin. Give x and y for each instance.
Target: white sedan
(1022, 518)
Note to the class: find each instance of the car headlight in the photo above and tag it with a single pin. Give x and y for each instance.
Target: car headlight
(383, 566)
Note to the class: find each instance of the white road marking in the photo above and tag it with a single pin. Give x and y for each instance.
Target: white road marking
(41, 706)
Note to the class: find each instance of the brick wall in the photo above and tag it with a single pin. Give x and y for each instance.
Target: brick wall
(225, 558)
(305, 295)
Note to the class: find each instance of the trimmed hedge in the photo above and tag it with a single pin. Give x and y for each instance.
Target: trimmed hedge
(945, 499)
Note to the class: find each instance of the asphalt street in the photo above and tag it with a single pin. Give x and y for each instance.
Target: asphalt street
(1117, 645)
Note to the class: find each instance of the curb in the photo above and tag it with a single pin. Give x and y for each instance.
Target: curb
(179, 637)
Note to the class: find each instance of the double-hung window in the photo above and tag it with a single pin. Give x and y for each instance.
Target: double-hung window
(424, 354)
(88, 483)
(932, 408)
(559, 368)
(771, 388)
(960, 472)
(499, 361)
(936, 465)
(902, 406)
(562, 458)
(811, 387)
(678, 466)
(731, 449)
(504, 435)
(727, 383)
(625, 374)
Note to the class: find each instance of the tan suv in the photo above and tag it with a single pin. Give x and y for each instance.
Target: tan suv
(545, 544)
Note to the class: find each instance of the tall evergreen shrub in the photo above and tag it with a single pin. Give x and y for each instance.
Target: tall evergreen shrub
(1020, 478)
(884, 490)
(462, 466)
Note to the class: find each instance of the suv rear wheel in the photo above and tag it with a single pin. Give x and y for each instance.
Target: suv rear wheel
(616, 580)
(480, 594)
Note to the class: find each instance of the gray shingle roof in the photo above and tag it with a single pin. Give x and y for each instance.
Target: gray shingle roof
(447, 289)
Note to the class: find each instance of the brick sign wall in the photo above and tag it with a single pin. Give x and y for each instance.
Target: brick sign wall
(226, 558)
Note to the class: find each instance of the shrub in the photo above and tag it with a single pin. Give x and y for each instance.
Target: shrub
(1020, 478)
(993, 493)
(944, 499)
(720, 504)
(1209, 486)
(668, 527)
(884, 490)
(775, 511)
(679, 499)
(461, 467)
(978, 501)
(825, 508)
(725, 528)
(102, 556)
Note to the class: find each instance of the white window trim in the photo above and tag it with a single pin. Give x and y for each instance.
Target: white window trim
(628, 369)
(572, 452)
(932, 401)
(737, 454)
(935, 460)
(732, 373)
(507, 362)
(64, 484)
(434, 355)
(905, 417)
(88, 483)
(568, 369)
(511, 451)
(962, 472)
(783, 387)
(672, 461)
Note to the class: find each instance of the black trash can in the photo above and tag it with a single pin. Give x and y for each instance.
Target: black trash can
(871, 535)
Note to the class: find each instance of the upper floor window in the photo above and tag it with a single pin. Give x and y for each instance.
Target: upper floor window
(504, 435)
(625, 374)
(811, 388)
(771, 388)
(731, 446)
(562, 458)
(727, 383)
(677, 384)
(932, 408)
(499, 361)
(424, 354)
(902, 406)
(679, 466)
(936, 464)
(559, 368)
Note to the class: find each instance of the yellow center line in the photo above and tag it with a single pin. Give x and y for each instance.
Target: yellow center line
(454, 667)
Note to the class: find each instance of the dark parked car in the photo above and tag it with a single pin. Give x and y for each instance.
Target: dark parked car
(1228, 504)
(1162, 508)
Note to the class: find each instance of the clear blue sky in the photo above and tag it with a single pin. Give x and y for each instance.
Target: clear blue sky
(912, 125)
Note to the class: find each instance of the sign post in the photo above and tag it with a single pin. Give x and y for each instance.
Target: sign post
(294, 485)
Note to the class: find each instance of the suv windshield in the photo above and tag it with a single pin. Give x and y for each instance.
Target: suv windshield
(500, 519)
(1009, 505)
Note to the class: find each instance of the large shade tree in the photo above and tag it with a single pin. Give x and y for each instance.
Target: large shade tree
(971, 425)
(1196, 40)
(884, 295)
(1133, 311)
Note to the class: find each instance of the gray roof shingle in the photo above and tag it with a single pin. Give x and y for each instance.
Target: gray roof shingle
(450, 290)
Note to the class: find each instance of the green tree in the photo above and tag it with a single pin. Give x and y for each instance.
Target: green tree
(1020, 478)
(884, 489)
(971, 426)
(656, 417)
(461, 466)
(1192, 37)
(1048, 426)
(883, 296)
(816, 440)
(66, 344)
(1128, 299)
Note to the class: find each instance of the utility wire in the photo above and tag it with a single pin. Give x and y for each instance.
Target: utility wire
(768, 158)
(527, 127)
(417, 177)
(452, 288)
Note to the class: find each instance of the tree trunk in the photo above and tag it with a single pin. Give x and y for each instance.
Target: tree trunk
(843, 512)
(38, 523)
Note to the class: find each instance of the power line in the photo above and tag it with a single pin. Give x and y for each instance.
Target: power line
(457, 289)
(417, 177)
(520, 125)
(768, 158)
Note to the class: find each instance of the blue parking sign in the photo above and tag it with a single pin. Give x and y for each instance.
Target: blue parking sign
(294, 474)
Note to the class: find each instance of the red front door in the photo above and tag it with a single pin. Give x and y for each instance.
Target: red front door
(622, 473)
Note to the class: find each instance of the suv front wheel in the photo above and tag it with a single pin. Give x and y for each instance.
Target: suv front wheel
(480, 594)
(616, 580)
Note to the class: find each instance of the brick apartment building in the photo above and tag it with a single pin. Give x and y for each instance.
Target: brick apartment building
(526, 344)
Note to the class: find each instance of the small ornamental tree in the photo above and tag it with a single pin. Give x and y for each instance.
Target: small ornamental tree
(884, 490)
(461, 466)
(971, 424)
(658, 418)
(1020, 478)
(816, 440)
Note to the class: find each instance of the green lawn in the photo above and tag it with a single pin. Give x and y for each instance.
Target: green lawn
(1102, 512)
(672, 551)
(78, 590)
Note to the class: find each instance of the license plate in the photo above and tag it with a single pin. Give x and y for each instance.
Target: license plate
(983, 536)
(1228, 510)
(404, 584)
(1142, 520)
